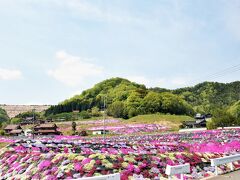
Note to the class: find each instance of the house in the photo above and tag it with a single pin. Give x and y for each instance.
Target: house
(16, 132)
(31, 120)
(46, 129)
(99, 131)
(194, 124)
(200, 121)
(11, 127)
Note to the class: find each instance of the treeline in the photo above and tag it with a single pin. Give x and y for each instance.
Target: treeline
(126, 99)
(3, 117)
(224, 117)
(209, 96)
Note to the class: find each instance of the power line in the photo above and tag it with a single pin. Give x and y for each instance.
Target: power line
(227, 70)
(218, 74)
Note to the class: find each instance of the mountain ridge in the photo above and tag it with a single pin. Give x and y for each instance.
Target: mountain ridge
(137, 99)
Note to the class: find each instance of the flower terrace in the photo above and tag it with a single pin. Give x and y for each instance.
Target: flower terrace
(144, 156)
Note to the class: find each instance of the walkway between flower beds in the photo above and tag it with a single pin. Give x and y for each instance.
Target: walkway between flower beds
(233, 176)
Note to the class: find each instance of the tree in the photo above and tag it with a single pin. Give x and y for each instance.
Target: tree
(116, 109)
(29, 114)
(84, 115)
(222, 118)
(3, 115)
(15, 120)
(151, 103)
(74, 125)
(234, 110)
(95, 112)
(174, 104)
(133, 104)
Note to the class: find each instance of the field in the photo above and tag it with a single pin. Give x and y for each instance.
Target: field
(171, 122)
(136, 156)
(138, 148)
(3, 144)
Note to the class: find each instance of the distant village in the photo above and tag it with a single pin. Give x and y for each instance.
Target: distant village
(48, 127)
(39, 127)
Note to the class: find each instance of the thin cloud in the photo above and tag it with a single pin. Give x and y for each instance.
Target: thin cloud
(74, 70)
(10, 74)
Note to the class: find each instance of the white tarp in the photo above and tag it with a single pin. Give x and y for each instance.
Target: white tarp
(106, 177)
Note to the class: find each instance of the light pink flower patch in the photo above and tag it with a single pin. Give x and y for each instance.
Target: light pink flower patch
(78, 166)
(86, 161)
(44, 164)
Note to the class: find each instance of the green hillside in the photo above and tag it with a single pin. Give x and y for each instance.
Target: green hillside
(205, 97)
(3, 116)
(172, 121)
(125, 99)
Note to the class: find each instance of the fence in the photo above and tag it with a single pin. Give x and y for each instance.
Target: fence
(179, 169)
(224, 160)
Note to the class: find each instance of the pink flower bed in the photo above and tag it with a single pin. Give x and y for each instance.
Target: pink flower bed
(107, 121)
(138, 156)
(6, 140)
(131, 128)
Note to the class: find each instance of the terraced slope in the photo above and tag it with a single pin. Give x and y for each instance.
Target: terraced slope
(13, 110)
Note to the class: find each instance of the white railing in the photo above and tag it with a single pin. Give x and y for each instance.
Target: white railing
(192, 129)
(106, 177)
(224, 160)
(233, 127)
(179, 169)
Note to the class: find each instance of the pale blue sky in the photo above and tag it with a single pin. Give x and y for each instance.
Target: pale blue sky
(53, 49)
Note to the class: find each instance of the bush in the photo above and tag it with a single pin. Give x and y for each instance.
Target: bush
(95, 112)
(116, 109)
(222, 118)
(83, 133)
(211, 125)
(2, 132)
(84, 115)
(15, 120)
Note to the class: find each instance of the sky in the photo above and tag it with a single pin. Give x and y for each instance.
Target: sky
(51, 50)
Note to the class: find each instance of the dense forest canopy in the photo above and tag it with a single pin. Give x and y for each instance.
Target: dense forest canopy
(3, 116)
(126, 99)
(205, 97)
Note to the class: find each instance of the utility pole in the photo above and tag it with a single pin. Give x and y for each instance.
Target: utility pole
(33, 115)
(104, 117)
(33, 122)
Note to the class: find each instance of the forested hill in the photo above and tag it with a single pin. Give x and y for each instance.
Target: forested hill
(3, 116)
(209, 95)
(127, 99)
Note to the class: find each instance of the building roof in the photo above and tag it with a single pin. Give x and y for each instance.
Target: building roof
(47, 131)
(16, 131)
(12, 126)
(190, 123)
(29, 118)
(99, 130)
(46, 125)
